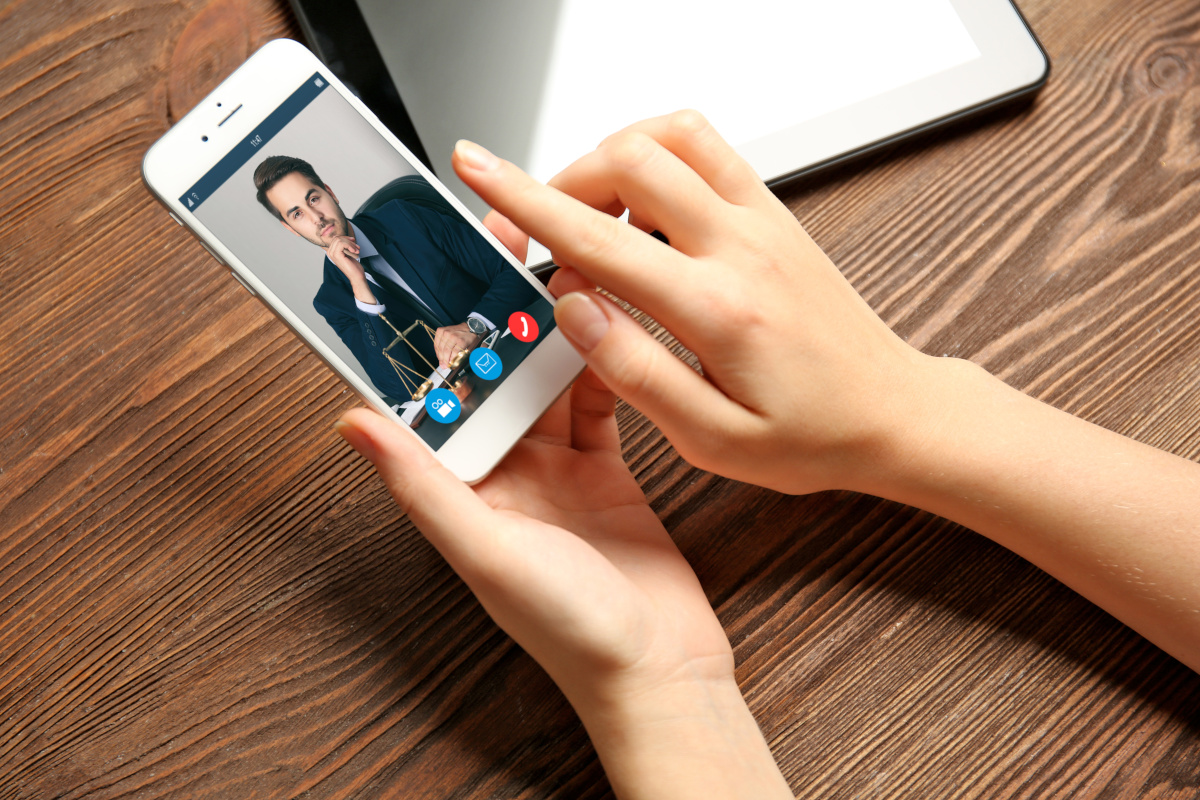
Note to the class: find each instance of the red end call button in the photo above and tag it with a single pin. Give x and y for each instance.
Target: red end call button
(523, 326)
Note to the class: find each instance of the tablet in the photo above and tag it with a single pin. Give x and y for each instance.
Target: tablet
(794, 85)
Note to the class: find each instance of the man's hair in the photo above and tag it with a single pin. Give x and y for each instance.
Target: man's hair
(273, 169)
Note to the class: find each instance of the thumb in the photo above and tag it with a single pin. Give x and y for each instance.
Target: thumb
(446, 510)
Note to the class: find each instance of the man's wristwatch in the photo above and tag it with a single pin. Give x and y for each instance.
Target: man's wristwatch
(477, 326)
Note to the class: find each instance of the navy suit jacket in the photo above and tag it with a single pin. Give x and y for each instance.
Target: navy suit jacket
(450, 266)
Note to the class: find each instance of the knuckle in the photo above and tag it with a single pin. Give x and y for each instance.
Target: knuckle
(688, 123)
(741, 325)
(735, 306)
(629, 150)
(726, 305)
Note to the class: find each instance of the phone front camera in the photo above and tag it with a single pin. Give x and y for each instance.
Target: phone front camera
(204, 138)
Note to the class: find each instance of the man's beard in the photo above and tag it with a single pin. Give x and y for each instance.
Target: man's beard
(340, 228)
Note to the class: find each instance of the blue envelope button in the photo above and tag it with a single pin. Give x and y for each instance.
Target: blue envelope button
(486, 364)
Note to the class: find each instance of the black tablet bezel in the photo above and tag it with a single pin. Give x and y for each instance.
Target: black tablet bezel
(344, 42)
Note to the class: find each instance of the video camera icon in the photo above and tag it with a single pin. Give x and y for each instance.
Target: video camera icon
(442, 406)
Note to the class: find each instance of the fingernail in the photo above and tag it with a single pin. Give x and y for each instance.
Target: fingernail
(356, 438)
(475, 156)
(581, 319)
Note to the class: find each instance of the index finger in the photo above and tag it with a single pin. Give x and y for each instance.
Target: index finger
(613, 254)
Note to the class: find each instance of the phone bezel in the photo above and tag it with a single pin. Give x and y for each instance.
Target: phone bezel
(197, 142)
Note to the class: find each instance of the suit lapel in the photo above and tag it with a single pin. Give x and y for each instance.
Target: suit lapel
(396, 257)
(397, 294)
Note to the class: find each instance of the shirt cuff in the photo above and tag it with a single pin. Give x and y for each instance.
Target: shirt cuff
(483, 319)
(374, 309)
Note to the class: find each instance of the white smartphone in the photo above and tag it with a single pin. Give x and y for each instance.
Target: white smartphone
(318, 211)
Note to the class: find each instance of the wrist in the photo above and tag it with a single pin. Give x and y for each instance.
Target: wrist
(694, 737)
(910, 431)
(875, 441)
(362, 289)
(949, 406)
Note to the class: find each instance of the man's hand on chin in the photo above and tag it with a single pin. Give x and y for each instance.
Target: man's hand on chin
(449, 340)
(343, 252)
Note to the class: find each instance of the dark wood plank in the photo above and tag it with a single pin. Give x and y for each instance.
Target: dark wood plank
(203, 593)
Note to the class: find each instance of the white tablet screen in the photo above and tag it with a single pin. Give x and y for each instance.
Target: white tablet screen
(619, 61)
(790, 83)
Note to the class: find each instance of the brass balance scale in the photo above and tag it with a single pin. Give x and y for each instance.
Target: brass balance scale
(457, 380)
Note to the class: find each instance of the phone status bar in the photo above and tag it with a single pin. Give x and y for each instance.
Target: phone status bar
(244, 150)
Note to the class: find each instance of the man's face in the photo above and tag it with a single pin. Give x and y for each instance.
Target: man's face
(308, 210)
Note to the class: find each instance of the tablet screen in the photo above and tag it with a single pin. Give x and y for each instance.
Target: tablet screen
(614, 63)
(543, 82)
(790, 83)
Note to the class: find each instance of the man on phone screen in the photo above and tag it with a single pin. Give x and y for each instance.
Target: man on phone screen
(401, 259)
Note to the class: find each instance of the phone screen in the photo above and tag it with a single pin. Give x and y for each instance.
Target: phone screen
(372, 259)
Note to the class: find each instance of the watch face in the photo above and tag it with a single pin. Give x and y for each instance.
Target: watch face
(476, 325)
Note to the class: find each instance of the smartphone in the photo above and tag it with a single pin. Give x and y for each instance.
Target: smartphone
(316, 209)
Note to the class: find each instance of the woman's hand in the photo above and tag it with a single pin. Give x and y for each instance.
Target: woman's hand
(561, 548)
(803, 386)
(563, 551)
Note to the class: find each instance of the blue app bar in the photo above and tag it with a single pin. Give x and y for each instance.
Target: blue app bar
(245, 149)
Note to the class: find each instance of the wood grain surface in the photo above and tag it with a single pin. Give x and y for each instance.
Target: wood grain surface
(204, 593)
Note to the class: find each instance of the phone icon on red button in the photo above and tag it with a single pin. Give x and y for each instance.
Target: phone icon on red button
(523, 326)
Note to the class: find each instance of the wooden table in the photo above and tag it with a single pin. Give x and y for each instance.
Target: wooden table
(205, 593)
